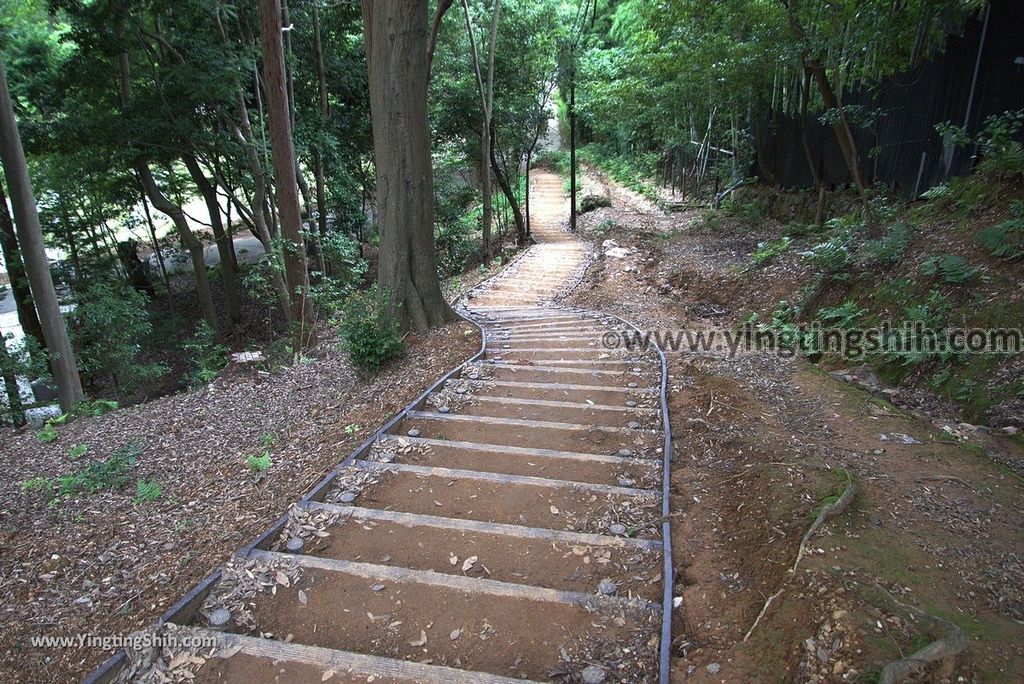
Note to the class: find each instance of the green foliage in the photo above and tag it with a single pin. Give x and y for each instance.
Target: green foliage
(47, 434)
(368, 329)
(833, 257)
(888, 249)
(345, 271)
(258, 463)
(206, 356)
(97, 476)
(950, 268)
(109, 325)
(94, 407)
(147, 490)
(997, 141)
(553, 160)
(1005, 240)
(77, 451)
(770, 250)
(844, 316)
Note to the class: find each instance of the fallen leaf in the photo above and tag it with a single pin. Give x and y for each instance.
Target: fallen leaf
(328, 675)
(453, 559)
(456, 633)
(303, 599)
(282, 579)
(554, 510)
(468, 563)
(421, 641)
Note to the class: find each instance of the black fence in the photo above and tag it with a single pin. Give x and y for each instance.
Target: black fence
(980, 73)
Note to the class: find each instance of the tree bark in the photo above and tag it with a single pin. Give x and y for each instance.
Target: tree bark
(805, 97)
(229, 275)
(285, 177)
(398, 73)
(15, 409)
(33, 251)
(26, 308)
(506, 188)
(325, 113)
(486, 99)
(188, 239)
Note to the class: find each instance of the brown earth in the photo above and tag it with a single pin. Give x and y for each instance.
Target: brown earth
(101, 564)
(762, 442)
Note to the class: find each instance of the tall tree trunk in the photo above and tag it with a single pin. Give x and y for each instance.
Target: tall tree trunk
(506, 188)
(285, 178)
(805, 97)
(325, 113)
(188, 239)
(486, 99)
(30, 239)
(229, 275)
(156, 247)
(27, 315)
(398, 68)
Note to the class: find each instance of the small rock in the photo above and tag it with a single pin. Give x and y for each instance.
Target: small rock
(443, 409)
(625, 452)
(461, 389)
(626, 482)
(1009, 430)
(607, 587)
(377, 587)
(414, 433)
(632, 384)
(220, 618)
(631, 404)
(713, 668)
(617, 528)
(347, 497)
(875, 520)
(633, 425)
(593, 674)
(294, 545)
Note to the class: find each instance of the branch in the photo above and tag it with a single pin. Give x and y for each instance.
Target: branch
(442, 7)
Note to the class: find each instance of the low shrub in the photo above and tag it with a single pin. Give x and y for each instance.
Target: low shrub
(369, 330)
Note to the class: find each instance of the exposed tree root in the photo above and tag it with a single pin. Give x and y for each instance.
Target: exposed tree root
(952, 645)
(828, 511)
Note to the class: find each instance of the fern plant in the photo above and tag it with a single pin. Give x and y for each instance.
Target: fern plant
(1006, 240)
(950, 268)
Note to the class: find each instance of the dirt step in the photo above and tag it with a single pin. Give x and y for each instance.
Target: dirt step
(536, 373)
(569, 508)
(269, 660)
(466, 629)
(534, 434)
(537, 562)
(563, 354)
(486, 404)
(557, 391)
(559, 465)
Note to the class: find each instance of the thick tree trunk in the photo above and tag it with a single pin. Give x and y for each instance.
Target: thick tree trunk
(229, 275)
(486, 98)
(188, 239)
(841, 127)
(26, 308)
(398, 69)
(30, 239)
(285, 178)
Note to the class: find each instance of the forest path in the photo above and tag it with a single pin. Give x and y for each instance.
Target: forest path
(507, 527)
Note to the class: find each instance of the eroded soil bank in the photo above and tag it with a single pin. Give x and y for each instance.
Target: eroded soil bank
(763, 443)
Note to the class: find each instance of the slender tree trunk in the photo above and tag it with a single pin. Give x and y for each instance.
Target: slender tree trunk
(156, 247)
(325, 113)
(398, 73)
(572, 142)
(229, 276)
(285, 178)
(30, 239)
(188, 239)
(14, 406)
(26, 308)
(506, 188)
(805, 97)
(486, 99)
